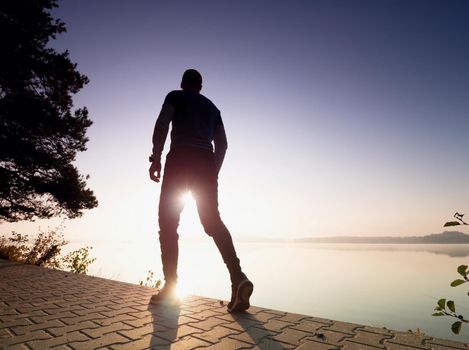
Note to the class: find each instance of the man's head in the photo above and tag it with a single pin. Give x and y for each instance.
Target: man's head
(191, 80)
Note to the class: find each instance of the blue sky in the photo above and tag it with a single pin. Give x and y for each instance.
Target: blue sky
(343, 117)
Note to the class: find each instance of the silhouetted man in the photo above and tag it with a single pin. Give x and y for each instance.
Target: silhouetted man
(192, 164)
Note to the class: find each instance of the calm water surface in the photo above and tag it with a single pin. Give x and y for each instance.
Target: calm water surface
(393, 286)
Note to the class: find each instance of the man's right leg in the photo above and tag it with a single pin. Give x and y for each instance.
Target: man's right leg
(169, 212)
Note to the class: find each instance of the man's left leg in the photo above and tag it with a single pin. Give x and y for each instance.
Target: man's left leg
(206, 195)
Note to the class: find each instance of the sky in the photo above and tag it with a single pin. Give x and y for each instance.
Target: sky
(342, 117)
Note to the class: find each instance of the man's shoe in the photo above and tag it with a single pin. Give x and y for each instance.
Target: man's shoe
(166, 295)
(240, 295)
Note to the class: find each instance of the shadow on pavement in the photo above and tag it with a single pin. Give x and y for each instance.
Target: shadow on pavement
(260, 335)
(165, 319)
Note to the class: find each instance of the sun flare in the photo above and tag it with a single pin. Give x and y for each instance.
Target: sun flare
(187, 198)
(182, 291)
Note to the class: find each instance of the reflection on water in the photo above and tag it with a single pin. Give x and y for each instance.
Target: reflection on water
(394, 286)
(452, 250)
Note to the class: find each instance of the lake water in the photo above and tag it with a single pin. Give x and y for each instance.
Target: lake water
(393, 286)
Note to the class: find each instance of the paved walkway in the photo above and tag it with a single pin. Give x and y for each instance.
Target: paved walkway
(43, 309)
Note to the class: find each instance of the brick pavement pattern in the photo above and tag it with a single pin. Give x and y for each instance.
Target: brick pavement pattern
(50, 309)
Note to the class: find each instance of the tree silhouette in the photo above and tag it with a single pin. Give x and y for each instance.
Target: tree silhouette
(39, 133)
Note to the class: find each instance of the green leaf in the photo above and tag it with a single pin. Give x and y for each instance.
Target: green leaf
(462, 270)
(451, 223)
(441, 303)
(456, 327)
(438, 314)
(451, 305)
(437, 308)
(457, 282)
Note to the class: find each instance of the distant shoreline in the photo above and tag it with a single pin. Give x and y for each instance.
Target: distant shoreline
(448, 237)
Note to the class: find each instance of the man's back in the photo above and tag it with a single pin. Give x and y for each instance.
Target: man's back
(194, 120)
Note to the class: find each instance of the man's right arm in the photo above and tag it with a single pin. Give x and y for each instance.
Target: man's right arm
(160, 132)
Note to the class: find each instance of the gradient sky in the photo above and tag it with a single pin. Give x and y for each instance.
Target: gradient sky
(342, 117)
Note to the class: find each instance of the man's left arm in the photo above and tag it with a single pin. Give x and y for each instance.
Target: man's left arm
(221, 144)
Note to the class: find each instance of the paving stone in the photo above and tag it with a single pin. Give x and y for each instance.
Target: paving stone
(189, 343)
(22, 339)
(26, 309)
(392, 346)
(376, 330)
(343, 327)
(5, 333)
(255, 309)
(228, 343)
(203, 315)
(435, 343)
(100, 331)
(240, 321)
(15, 347)
(140, 315)
(7, 311)
(236, 326)
(137, 333)
(105, 340)
(68, 304)
(185, 319)
(82, 311)
(277, 325)
(354, 346)
(269, 344)
(276, 312)
(319, 320)
(117, 312)
(441, 347)
(330, 337)
(253, 335)
(15, 323)
(180, 332)
(196, 302)
(207, 324)
(215, 334)
(128, 319)
(137, 322)
(68, 329)
(197, 309)
(146, 342)
(369, 338)
(293, 318)
(77, 319)
(309, 326)
(313, 345)
(34, 327)
(291, 336)
(408, 339)
(136, 306)
(90, 304)
(56, 341)
(49, 317)
(264, 316)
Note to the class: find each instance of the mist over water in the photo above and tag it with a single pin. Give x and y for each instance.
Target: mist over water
(383, 285)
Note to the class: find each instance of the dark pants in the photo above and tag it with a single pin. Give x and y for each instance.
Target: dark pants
(192, 169)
